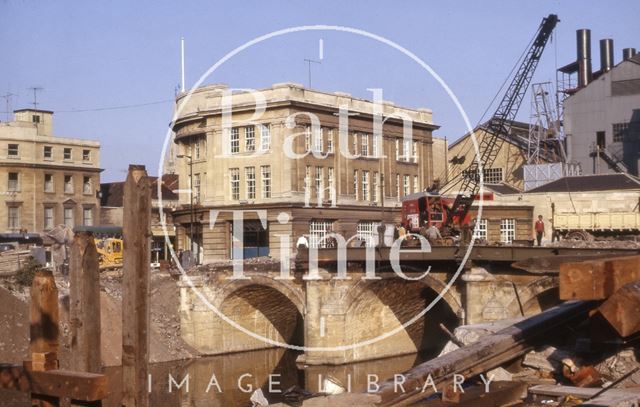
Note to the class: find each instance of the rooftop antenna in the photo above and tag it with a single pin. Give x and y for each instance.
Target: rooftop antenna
(309, 62)
(35, 90)
(182, 63)
(7, 102)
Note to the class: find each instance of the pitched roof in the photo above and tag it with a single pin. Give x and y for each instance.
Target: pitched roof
(112, 193)
(502, 188)
(584, 183)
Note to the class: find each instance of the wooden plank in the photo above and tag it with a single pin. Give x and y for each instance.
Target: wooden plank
(44, 313)
(84, 279)
(622, 309)
(597, 279)
(135, 301)
(487, 353)
(611, 397)
(55, 383)
(499, 394)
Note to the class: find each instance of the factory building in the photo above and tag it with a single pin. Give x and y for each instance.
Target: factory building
(602, 109)
(332, 183)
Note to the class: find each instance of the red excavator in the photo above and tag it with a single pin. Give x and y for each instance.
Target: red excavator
(451, 214)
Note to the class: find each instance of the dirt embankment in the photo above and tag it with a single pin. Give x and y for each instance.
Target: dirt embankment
(166, 343)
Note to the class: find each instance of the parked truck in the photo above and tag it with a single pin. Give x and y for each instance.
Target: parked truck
(590, 225)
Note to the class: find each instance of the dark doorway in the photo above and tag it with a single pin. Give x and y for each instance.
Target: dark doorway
(600, 139)
(255, 241)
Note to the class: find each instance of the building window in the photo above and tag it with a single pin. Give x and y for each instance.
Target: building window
(13, 150)
(266, 181)
(14, 217)
(320, 183)
(367, 232)
(507, 230)
(86, 185)
(331, 185)
(619, 130)
(416, 185)
(355, 184)
(398, 186)
(415, 152)
(235, 141)
(47, 152)
(406, 186)
(250, 180)
(234, 176)
(406, 151)
(318, 230)
(87, 217)
(365, 186)
(67, 153)
(265, 137)
(397, 150)
(48, 182)
(491, 175)
(13, 184)
(196, 188)
(48, 218)
(376, 187)
(330, 141)
(68, 217)
(364, 145)
(35, 118)
(355, 144)
(68, 184)
(307, 139)
(375, 144)
(317, 141)
(250, 138)
(481, 229)
(86, 155)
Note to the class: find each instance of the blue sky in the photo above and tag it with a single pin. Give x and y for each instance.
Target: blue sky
(92, 55)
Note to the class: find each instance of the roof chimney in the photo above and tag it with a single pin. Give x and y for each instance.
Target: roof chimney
(583, 38)
(606, 55)
(628, 53)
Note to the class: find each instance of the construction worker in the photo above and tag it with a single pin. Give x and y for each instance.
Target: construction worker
(539, 227)
(433, 234)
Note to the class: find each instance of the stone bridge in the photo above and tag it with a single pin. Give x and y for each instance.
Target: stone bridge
(329, 315)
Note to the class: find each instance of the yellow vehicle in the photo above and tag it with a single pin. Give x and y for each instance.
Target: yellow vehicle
(110, 252)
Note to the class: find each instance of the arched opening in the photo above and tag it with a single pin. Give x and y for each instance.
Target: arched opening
(542, 301)
(265, 311)
(384, 305)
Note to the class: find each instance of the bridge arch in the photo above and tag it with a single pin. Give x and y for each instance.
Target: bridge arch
(270, 308)
(375, 307)
(539, 295)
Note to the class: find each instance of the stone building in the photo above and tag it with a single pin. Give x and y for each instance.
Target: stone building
(344, 184)
(46, 180)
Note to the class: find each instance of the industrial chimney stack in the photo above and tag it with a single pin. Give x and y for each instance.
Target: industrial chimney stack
(628, 53)
(606, 55)
(583, 38)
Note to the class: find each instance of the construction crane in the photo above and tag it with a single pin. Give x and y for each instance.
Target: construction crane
(500, 123)
(444, 213)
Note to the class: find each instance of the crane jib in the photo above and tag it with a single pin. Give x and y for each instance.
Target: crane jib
(498, 127)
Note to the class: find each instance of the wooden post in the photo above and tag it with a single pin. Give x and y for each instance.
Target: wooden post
(135, 301)
(44, 318)
(85, 304)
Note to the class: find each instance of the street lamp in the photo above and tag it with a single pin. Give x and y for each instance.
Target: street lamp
(190, 198)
